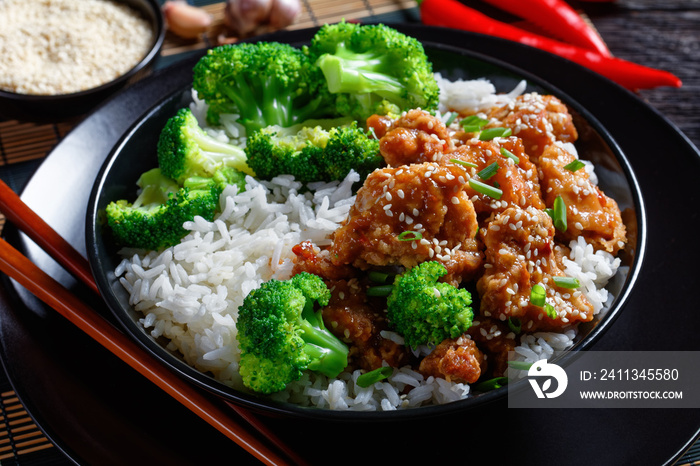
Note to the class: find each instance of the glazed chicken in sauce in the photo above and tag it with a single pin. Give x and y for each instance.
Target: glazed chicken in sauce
(426, 205)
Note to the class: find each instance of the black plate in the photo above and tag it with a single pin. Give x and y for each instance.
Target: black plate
(136, 153)
(99, 411)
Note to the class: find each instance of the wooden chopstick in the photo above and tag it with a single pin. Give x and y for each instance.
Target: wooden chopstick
(28, 221)
(44, 287)
(18, 267)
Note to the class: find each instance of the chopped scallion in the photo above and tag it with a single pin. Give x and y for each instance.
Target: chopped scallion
(566, 282)
(538, 295)
(368, 378)
(451, 118)
(473, 123)
(514, 324)
(379, 277)
(465, 163)
(379, 290)
(485, 189)
(558, 214)
(410, 236)
(491, 384)
(506, 153)
(489, 171)
(520, 365)
(491, 133)
(575, 165)
(551, 312)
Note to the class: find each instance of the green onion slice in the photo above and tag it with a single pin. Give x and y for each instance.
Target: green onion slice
(410, 236)
(485, 189)
(379, 290)
(379, 277)
(465, 163)
(558, 214)
(489, 171)
(566, 282)
(451, 118)
(371, 134)
(371, 377)
(491, 133)
(538, 295)
(473, 123)
(520, 365)
(575, 165)
(515, 325)
(506, 153)
(551, 312)
(491, 384)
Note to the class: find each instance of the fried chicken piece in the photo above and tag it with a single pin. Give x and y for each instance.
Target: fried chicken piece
(518, 181)
(519, 255)
(351, 317)
(539, 120)
(589, 212)
(455, 360)
(310, 258)
(415, 137)
(495, 339)
(408, 215)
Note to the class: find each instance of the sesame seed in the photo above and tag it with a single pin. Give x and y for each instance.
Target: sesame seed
(400, 193)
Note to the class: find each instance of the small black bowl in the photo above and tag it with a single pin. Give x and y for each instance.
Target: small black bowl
(136, 153)
(38, 108)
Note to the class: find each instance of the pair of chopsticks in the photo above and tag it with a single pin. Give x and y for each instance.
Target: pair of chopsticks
(26, 273)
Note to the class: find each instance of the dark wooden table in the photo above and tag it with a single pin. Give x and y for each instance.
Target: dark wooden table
(655, 33)
(660, 34)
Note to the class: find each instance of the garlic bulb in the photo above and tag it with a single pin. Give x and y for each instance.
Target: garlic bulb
(185, 20)
(243, 17)
(246, 17)
(283, 13)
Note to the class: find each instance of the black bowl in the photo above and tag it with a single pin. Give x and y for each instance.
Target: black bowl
(40, 108)
(136, 153)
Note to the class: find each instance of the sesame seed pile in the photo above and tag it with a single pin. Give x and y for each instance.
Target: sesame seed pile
(53, 47)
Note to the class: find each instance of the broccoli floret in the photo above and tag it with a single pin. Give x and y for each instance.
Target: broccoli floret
(373, 69)
(222, 178)
(185, 150)
(313, 151)
(281, 335)
(426, 311)
(155, 219)
(265, 83)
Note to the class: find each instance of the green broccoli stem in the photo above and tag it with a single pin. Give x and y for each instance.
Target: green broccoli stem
(212, 145)
(327, 353)
(350, 72)
(275, 108)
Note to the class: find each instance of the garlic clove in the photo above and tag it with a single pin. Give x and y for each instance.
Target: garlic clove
(243, 17)
(185, 20)
(283, 13)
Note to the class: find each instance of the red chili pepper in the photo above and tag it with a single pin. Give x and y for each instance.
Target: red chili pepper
(453, 14)
(557, 18)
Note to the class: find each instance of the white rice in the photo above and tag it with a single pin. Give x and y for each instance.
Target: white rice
(190, 293)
